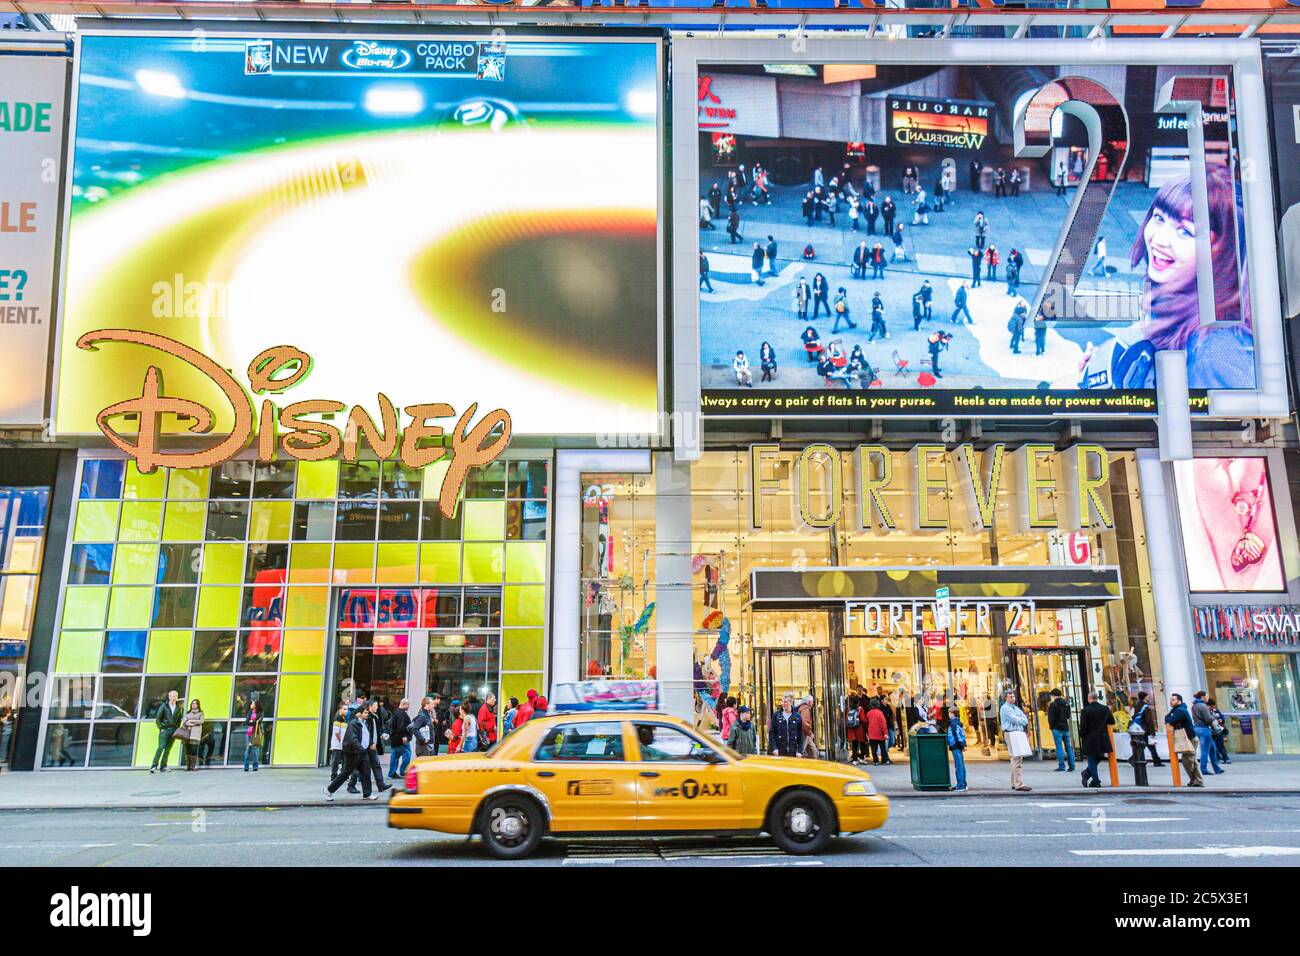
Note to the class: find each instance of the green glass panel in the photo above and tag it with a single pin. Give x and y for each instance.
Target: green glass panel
(303, 651)
(212, 691)
(218, 608)
(135, 564)
(130, 608)
(309, 563)
(295, 742)
(184, 520)
(518, 685)
(271, 521)
(141, 521)
(299, 696)
(318, 479)
(307, 607)
(354, 561)
(79, 652)
(84, 606)
(96, 521)
(524, 606)
(484, 520)
(483, 563)
(223, 563)
(188, 483)
(169, 652)
(526, 563)
(144, 486)
(396, 563)
(440, 563)
(522, 649)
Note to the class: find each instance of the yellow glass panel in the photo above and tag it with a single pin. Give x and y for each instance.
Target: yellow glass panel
(307, 607)
(396, 563)
(169, 652)
(303, 651)
(79, 652)
(523, 606)
(212, 691)
(270, 521)
(184, 520)
(146, 742)
(518, 685)
(526, 562)
(294, 742)
(141, 521)
(318, 479)
(188, 483)
(135, 564)
(483, 563)
(218, 608)
(354, 562)
(84, 606)
(223, 563)
(440, 562)
(309, 563)
(144, 486)
(96, 521)
(431, 478)
(130, 608)
(298, 696)
(522, 649)
(484, 520)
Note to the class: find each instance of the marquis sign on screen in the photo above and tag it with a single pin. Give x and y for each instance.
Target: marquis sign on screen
(1017, 241)
(410, 211)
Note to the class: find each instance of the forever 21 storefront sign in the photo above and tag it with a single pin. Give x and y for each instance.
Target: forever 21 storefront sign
(304, 438)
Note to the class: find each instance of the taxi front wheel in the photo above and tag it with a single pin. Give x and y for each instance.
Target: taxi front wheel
(800, 822)
(512, 826)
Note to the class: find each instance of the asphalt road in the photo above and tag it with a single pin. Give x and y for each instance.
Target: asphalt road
(1085, 831)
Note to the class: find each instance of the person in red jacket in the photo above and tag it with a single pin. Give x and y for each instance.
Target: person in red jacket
(525, 710)
(857, 731)
(877, 733)
(487, 719)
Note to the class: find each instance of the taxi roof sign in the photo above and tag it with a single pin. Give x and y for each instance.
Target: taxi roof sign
(590, 695)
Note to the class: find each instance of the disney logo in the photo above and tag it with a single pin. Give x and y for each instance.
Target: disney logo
(367, 54)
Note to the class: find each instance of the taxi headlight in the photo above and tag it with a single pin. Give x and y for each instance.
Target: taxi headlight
(859, 788)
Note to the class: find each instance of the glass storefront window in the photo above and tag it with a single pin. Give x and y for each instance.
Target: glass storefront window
(1260, 696)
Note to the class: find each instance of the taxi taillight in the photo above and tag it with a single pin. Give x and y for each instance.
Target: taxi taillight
(412, 782)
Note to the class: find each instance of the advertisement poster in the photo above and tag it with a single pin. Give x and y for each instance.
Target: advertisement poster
(1229, 529)
(31, 154)
(408, 211)
(875, 245)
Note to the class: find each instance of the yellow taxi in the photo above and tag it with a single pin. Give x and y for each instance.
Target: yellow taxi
(633, 774)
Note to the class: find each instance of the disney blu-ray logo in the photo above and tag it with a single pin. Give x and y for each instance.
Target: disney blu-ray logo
(369, 55)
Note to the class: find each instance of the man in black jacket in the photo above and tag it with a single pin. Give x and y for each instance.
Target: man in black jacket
(1094, 737)
(399, 740)
(358, 742)
(370, 760)
(167, 720)
(1058, 718)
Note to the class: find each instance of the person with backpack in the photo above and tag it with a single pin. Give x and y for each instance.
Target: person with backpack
(957, 747)
(856, 731)
(1144, 715)
(842, 312)
(1220, 731)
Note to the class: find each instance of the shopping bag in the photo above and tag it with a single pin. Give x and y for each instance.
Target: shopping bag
(1018, 743)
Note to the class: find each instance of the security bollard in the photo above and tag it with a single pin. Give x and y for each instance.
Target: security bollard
(1137, 758)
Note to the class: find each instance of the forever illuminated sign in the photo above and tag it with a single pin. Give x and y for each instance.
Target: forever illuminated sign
(305, 438)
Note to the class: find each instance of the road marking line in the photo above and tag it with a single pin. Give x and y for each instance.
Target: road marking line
(1235, 851)
(1109, 819)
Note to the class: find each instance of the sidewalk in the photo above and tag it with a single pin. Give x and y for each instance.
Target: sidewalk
(227, 788)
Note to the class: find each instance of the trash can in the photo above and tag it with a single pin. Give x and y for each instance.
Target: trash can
(928, 756)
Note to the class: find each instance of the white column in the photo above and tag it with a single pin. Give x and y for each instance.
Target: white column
(1179, 662)
(566, 544)
(673, 624)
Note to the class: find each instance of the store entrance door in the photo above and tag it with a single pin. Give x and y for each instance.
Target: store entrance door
(1039, 670)
(799, 672)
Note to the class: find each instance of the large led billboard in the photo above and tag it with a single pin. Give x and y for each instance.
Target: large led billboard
(461, 218)
(968, 239)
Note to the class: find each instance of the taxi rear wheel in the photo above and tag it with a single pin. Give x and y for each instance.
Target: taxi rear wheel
(511, 826)
(800, 822)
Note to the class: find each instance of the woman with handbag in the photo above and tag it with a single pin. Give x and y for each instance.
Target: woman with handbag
(255, 733)
(191, 732)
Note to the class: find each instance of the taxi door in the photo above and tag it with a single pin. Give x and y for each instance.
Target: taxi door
(580, 768)
(683, 782)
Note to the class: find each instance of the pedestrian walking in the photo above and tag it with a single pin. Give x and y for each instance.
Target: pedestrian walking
(808, 746)
(1013, 277)
(1219, 730)
(168, 722)
(1040, 334)
(1144, 715)
(1016, 326)
(808, 207)
(1099, 251)
(991, 260)
(254, 736)
(192, 725)
(704, 273)
(878, 328)
(887, 213)
(916, 311)
(872, 211)
(900, 252)
(959, 301)
(786, 736)
(1061, 179)
(733, 227)
(424, 729)
(855, 724)
(756, 259)
(976, 257)
(1094, 737)
(1203, 722)
(981, 230)
(821, 295)
(358, 743)
(337, 730)
(487, 716)
(957, 747)
(1014, 725)
(855, 213)
(740, 365)
(742, 737)
(877, 733)
(767, 361)
(399, 740)
(926, 292)
(771, 249)
(706, 214)
(715, 200)
(1058, 720)
(920, 208)
(878, 261)
(802, 296)
(1184, 739)
(938, 193)
(936, 343)
(369, 764)
(975, 170)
